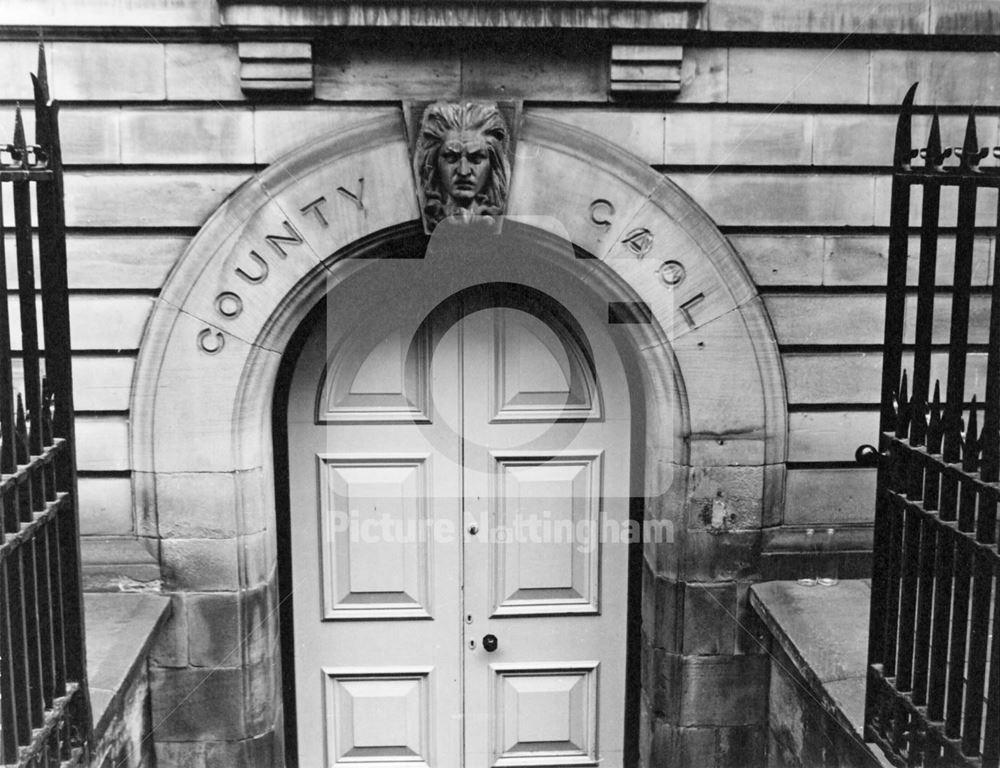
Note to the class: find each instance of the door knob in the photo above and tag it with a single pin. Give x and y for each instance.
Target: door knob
(490, 643)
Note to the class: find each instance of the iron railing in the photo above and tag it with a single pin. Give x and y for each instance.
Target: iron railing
(933, 697)
(44, 707)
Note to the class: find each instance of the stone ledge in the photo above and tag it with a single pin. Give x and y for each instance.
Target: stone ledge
(118, 564)
(823, 632)
(120, 631)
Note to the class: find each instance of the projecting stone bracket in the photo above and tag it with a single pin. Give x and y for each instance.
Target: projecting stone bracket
(282, 69)
(645, 70)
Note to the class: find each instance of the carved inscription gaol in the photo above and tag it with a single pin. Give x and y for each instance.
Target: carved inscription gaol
(672, 273)
(639, 241)
(600, 210)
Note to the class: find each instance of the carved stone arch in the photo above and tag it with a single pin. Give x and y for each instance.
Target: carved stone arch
(204, 383)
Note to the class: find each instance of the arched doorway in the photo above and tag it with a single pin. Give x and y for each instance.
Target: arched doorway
(671, 288)
(462, 456)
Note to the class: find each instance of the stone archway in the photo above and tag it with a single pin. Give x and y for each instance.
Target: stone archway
(201, 410)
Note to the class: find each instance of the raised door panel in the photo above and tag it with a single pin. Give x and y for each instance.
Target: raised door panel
(547, 518)
(379, 717)
(380, 375)
(545, 714)
(539, 373)
(375, 564)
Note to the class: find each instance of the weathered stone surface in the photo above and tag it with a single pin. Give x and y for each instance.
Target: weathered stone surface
(102, 443)
(106, 506)
(740, 747)
(187, 136)
(121, 261)
(198, 704)
(864, 260)
(171, 646)
(200, 565)
(17, 59)
(214, 636)
(770, 199)
(199, 505)
(817, 16)
(737, 138)
(258, 751)
(709, 619)
(714, 557)
(560, 69)
(798, 76)
(123, 71)
(716, 690)
(782, 259)
(97, 322)
(724, 499)
(829, 436)
(279, 130)
(704, 75)
(89, 135)
(640, 131)
(102, 383)
(110, 13)
(945, 77)
(146, 199)
(389, 70)
(986, 204)
(858, 318)
(964, 17)
(830, 496)
(202, 72)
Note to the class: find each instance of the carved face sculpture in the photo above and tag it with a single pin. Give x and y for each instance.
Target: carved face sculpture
(461, 161)
(463, 166)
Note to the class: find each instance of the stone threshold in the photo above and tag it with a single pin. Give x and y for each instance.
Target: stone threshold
(120, 630)
(823, 631)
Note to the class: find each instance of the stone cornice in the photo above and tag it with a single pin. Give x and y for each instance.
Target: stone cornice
(525, 14)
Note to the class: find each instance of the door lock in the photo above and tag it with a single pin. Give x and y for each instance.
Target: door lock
(490, 643)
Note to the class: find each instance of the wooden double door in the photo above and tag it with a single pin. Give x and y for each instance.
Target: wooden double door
(458, 474)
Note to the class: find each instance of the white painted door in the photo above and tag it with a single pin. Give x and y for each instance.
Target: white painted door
(449, 480)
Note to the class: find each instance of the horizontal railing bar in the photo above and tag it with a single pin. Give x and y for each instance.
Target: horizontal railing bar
(49, 454)
(937, 464)
(934, 728)
(985, 177)
(14, 174)
(54, 718)
(28, 530)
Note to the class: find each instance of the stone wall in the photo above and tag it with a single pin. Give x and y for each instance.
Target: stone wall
(784, 141)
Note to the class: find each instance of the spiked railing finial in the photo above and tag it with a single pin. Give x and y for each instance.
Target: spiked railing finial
(933, 155)
(20, 149)
(903, 150)
(934, 428)
(970, 444)
(970, 153)
(41, 80)
(903, 408)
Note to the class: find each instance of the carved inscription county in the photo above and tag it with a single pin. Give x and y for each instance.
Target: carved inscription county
(461, 162)
(254, 266)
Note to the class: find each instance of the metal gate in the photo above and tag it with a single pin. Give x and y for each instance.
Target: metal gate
(44, 709)
(933, 697)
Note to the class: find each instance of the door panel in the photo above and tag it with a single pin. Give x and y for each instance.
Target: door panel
(542, 490)
(541, 502)
(366, 576)
(449, 478)
(544, 714)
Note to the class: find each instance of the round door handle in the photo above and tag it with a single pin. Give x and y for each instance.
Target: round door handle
(490, 643)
